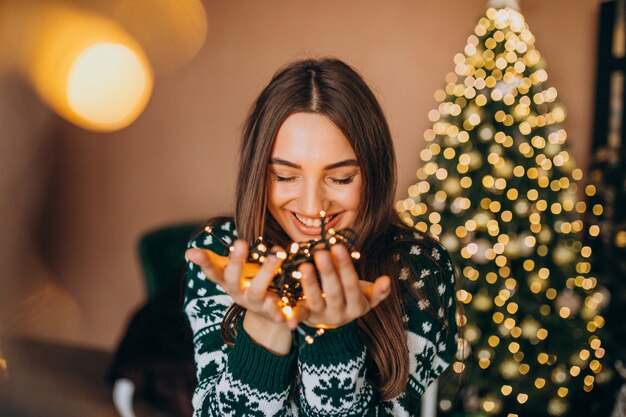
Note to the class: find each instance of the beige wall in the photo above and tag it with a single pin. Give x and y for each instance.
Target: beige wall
(177, 162)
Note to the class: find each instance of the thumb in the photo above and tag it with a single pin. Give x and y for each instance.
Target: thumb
(378, 291)
(197, 256)
(203, 258)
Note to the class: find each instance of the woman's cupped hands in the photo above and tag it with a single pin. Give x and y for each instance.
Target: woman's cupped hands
(338, 297)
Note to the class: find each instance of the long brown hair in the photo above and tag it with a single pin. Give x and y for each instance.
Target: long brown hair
(333, 89)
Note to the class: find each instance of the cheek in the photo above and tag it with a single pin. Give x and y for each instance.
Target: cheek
(277, 196)
(355, 198)
(351, 197)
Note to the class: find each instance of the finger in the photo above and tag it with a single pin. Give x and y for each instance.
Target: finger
(378, 291)
(311, 288)
(298, 314)
(201, 258)
(258, 286)
(271, 309)
(232, 272)
(356, 303)
(331, 286)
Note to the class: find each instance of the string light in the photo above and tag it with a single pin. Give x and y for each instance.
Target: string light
(286, 282)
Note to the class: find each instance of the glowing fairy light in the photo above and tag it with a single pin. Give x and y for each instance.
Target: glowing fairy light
(287, 311)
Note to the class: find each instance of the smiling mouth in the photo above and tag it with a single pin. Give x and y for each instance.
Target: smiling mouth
(313, 222)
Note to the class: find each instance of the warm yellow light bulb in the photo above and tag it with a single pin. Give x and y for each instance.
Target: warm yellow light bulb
(87, 68)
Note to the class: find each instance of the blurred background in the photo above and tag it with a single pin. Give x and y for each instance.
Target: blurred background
(121, 117)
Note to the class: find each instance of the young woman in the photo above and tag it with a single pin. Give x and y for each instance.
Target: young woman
(316, 139)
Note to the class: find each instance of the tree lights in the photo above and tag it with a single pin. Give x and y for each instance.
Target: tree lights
(498, 188)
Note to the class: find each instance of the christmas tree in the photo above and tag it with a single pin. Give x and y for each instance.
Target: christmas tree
(498, 187)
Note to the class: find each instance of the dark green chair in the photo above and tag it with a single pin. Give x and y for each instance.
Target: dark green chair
(161, 252)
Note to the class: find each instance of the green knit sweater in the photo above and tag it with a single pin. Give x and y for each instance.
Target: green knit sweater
(330, 375)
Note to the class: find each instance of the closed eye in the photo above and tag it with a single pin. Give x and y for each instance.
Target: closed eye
(283, 179)
(342, 181)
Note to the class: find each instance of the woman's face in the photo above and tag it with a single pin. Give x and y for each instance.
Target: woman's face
(313, 168)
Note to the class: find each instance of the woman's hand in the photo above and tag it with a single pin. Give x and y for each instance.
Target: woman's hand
(264, 320)
(342, 297)
(252, 294)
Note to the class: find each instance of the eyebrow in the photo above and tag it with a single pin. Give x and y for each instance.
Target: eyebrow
(347, 162)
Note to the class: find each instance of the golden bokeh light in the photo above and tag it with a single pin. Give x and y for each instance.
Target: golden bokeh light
(86, 68)
(172, 32)
(107, 85)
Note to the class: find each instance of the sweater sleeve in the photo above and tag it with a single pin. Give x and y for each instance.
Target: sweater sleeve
(243, 380)
(431, 323)
(334, 371)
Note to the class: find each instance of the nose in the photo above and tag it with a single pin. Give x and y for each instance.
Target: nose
(312, 199)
